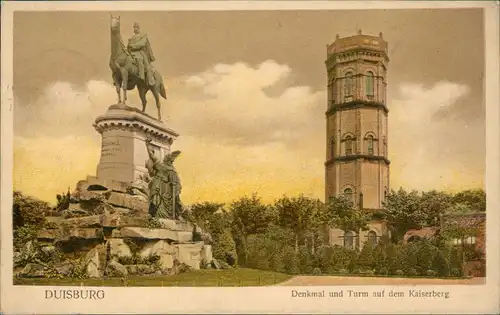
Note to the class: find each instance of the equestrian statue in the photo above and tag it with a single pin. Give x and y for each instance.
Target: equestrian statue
(132, 67)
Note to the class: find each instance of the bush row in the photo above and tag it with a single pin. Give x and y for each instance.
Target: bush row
(275, 251)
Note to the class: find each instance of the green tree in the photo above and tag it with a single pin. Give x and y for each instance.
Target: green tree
(403, 212)
(366, 258)
(441, 264)
(456, 224)
(217, 221)
(28, 216)
(474, 198)
(202, 213)
(300, 214)
(250, 216)
(342, 214)
(433, 204)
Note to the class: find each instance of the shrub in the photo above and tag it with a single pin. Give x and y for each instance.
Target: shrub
(425, 254)
(441, 264)
(365, 259)
(28, 211)
(24, 234)
(455, 272)
(79, 271)
(340, 257)
(412, 272)
(223, 246)
(394, 257)
(456, 261)
(316, 271)
(367, 272)
(291, 261)
(431, 273)
(343, 271)
(153, 223)
(383, 271)
(400, 272)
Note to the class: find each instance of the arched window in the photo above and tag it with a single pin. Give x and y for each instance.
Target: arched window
(385, 195)
(348, 145)
(369, 139)
(349, 85)
(349, 240)
(369, 85)
(372, 238)
(348, 193)
(332, 148)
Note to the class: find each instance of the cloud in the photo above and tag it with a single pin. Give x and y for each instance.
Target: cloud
(238, 138)
(432, 151)
(229, 103)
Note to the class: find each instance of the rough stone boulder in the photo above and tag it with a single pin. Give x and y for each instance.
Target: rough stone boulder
(140, 269)
(115, 269)
(95, 261)
(165, 251)
(118, 248)
(132, 202)
(156, 234)
(33, 270)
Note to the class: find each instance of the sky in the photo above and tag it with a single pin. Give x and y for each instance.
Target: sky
(247, 94)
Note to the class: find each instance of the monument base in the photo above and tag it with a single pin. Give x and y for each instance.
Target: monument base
(124, 130)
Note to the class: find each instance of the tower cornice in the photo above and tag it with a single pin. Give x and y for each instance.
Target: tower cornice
(356, 104)
(354, 157)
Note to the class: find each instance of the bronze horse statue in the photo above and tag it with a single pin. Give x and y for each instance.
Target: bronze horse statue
(125, 72)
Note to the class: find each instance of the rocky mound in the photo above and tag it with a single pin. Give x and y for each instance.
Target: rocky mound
(103, 229)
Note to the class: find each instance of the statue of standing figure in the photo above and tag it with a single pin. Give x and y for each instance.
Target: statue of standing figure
(164, 186)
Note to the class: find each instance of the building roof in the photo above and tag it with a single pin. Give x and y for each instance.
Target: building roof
(367, 42)
(421, 233)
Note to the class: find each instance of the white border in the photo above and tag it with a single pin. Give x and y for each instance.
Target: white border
(464, 299)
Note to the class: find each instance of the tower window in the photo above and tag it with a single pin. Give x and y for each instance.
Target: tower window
(348, 194)
(372, 238)
(370, 144)
(369, 85)
(349, 240)
(348, 145)
(349, 85)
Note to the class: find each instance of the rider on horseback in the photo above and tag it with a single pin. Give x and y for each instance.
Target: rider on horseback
(140, 48)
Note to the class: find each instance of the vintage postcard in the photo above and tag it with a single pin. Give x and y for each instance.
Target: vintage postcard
(250, 157)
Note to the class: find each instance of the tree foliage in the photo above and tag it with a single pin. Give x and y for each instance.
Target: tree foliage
(344, 215)
(474, 198)
(300, 214)
(403, 212)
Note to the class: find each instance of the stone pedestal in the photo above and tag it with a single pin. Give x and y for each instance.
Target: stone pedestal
(124, 130)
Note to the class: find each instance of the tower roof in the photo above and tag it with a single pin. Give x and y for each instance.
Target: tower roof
(359, 41)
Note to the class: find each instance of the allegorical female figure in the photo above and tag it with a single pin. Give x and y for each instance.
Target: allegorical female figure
(164, 186)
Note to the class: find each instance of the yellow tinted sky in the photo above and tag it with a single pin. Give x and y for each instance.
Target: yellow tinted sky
(249, 103)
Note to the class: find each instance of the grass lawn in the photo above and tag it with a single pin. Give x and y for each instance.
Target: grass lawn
(237, 277)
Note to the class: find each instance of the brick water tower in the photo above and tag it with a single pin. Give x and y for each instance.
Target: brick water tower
(357, 164)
